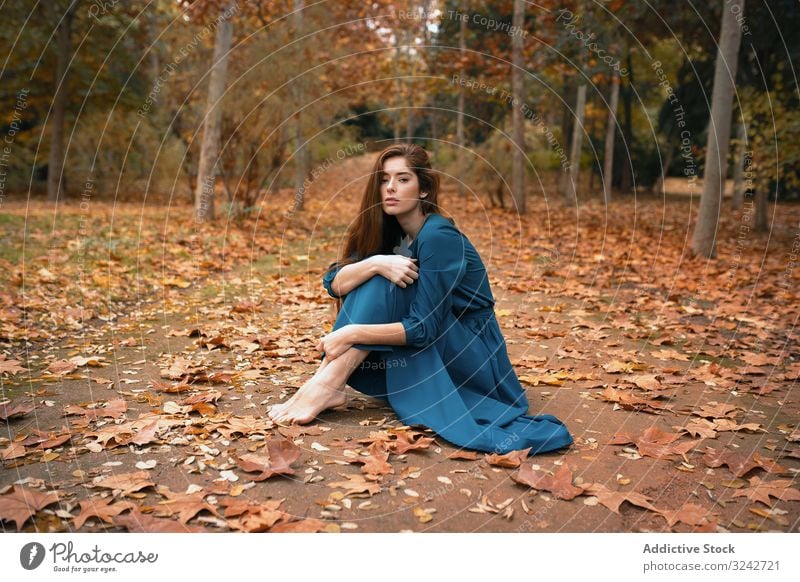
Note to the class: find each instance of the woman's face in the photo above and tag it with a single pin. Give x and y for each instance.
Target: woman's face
(399, 188)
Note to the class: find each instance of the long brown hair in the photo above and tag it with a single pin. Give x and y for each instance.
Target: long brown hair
(373, 231)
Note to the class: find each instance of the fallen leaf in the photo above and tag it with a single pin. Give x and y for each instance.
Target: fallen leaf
(356, 485)
(408, 441)
(11, 410)
(690, 514)
(510, 460)
(11, 367)
(125, 482)
(282, 453)
(21, 503)
(138, 522)
(762, 491)
(101, 507)
(740, 463)
(653, 442)
(613, 499)
(559, 483)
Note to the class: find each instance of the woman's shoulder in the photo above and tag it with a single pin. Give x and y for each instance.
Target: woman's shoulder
(437, 224)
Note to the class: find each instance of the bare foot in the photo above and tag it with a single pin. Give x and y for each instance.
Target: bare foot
(311, 399)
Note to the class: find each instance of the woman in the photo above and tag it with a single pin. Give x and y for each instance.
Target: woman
(416, 325)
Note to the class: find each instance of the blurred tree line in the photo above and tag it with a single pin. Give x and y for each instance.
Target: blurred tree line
(124, 99)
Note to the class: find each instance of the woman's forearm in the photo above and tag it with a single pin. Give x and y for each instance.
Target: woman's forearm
(351, 276)
(391, 334)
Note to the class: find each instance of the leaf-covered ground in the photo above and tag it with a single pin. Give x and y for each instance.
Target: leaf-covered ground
(139, 352)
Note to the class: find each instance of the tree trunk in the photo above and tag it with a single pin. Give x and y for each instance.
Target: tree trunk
(209, 152)
(705, 230)
(738, 171)
(462, 45)
(518, 165)
(658, 187)
(626, 173)
(566, 129)
(762, 209)
(302, 154)
(611, 129)
(55, 165)
(570, 190)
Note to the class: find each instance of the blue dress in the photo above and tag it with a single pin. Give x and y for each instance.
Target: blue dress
(453, 375)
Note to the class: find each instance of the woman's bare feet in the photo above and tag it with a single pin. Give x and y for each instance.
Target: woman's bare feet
(311, 399)
(323, 391)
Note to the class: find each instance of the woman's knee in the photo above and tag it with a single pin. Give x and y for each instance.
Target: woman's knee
(376, 300)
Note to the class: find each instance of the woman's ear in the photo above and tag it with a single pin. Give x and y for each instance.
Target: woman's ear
(423, 195)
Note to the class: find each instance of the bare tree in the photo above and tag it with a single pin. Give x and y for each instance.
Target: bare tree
(738, 170)
(570, 189)
(302, 154)
(705, 230)
(55, 166)
(611, 126)
(462, 45)
(518, 121)
(207, 167)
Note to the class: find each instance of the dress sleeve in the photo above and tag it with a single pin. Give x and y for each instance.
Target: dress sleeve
(330, 275)
(442, 266)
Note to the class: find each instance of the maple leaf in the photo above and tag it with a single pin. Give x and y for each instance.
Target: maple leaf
(740, 463)
(715, 409)
(244, 425)
(236, 507)
(655, 443)
(171, 387)
(13, 451)
(102, 508)
(310, 525)
(294, 431)
(61, 367)
(761, 359)
(282, 453)
(124, 482)
(613, 499)
(11, 410)
(466, 455)
(559, 483)
(21, 503)
(120, 434)
(138, 522)
(113, 409)
(357, 485)
(762, 491)
(646, 381)
(260, 521)
(409, 441)
(146, 434)
(11, 367)
(510, 460)
(377, 463)
(186, 505)
(670, 355)
(690, 514)
(630, 401)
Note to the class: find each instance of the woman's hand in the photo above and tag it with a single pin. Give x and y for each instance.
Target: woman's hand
(400, 270)
(337, 342)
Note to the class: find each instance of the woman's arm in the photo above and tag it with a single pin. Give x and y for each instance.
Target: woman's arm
(338, 342)
(400, 270)
(351, 276)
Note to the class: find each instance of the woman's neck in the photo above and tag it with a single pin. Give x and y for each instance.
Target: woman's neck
(411, 225)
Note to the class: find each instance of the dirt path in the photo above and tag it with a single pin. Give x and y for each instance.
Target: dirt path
(163, 420)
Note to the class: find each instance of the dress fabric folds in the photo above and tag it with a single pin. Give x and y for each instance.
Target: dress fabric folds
(453, 375)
